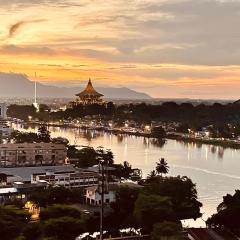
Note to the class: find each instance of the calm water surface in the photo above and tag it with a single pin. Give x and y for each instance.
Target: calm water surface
(215, 170)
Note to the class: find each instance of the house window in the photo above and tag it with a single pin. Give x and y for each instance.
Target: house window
(107, 200)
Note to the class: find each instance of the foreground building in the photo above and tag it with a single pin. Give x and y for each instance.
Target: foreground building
(93, 194)
(89, 95)
(65, 175)
(32, 154)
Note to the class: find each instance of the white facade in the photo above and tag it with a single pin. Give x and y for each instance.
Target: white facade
(93, 196)
(3, 111)
(67, 179)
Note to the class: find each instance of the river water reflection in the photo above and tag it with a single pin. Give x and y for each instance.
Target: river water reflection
(215, 170)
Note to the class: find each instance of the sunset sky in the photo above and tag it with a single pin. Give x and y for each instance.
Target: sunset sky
(166, 48)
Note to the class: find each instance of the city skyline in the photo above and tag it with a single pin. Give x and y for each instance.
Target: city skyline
(177, 48)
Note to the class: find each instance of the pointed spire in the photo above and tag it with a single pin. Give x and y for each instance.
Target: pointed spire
(89, 91)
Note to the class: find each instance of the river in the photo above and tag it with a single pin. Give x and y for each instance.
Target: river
(215, 170)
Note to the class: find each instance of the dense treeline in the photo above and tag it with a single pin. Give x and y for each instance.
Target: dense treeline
(169, 111)
(228, 213)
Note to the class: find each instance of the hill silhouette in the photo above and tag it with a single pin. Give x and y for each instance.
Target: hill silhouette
(18, 85)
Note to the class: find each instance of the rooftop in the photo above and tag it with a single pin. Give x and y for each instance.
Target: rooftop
(24, 173)
(89, 91)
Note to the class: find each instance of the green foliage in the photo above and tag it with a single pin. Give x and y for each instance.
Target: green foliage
(21, 137)
(124, 206)
(58, 211)
(162, 166)
(228, 213)
(32, 231)
(12, 221)
(158, 132)
(21, 111)
(63, 228)
(122, 170)
(43, 134)
(56, 195)
(181, 191)
(88, 156)
(150, 209)
(29, 137)
(85, 110)
(166, 230)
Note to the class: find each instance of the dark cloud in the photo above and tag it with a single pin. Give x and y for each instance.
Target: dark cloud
(16, 26)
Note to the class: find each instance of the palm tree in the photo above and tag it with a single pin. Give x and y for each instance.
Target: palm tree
(162, 166)
(152, 174)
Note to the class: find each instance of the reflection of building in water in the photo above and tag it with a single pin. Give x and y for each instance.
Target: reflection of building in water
(119, 138)
(89, 95)
(220, 152)
(158, 142)
(213, 149)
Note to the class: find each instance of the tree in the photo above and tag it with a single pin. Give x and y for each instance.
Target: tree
(182, 192)
(21, 137)
(123, 207)
(151, 209)
(63, 228)
(167, 230)
(86, 157)
(12, 221)
(58, 211)
(158, 132)
(162, 167)
(56, 195)
(105, 155)
(228, 213)
(32, 231)
(152, 174)
(43, 134)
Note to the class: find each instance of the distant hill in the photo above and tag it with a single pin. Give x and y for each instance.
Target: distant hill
(237, 102)
(17, 85)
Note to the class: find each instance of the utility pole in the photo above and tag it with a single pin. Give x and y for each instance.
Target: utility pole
(101, 172)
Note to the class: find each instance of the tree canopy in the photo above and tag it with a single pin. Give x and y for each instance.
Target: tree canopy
(228, 213)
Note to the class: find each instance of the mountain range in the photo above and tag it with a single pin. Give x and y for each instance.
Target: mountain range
(18, 85)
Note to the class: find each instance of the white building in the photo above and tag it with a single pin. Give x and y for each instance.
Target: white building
(65, 175)
(66, 178)
(3, 111)
(93, 195)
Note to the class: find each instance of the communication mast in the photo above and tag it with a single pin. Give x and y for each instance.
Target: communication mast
(35, 104)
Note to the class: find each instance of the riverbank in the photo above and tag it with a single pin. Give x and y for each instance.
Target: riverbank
(225, 143)
(216, 142)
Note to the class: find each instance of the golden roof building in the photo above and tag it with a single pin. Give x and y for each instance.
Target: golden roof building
(89, 95)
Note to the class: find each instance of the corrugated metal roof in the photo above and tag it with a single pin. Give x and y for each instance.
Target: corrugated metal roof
(25, 172)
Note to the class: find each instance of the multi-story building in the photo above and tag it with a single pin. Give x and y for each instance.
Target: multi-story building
(3, 111)
(67, 179)
(64, 175)
(32, 154)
